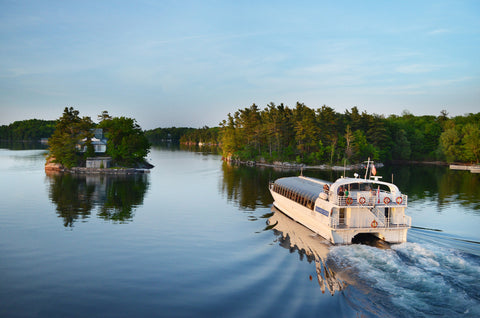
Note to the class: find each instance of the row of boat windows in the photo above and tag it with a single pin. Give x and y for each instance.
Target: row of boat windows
(292, 195)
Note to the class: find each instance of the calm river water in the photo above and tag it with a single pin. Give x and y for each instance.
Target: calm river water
(198, 238)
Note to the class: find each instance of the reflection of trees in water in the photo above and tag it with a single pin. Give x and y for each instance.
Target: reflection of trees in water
(115, 195)
(122, 194)
(438, 182)
(248, 186)
(72, 196)
(205, 149)
(460, 186)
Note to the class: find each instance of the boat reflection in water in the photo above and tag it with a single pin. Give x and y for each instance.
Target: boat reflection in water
(295, 236)
(113, 197)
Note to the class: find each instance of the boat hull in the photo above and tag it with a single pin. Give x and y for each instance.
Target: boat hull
(320, 223)
(315, 221)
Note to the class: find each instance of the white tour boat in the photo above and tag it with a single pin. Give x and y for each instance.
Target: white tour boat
(340, 210)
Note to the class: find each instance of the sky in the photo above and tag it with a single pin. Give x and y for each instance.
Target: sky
(190, 63)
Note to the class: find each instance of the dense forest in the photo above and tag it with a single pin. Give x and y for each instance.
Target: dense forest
(314, 136)
(31, 130)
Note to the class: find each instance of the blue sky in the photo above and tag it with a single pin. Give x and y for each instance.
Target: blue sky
(190, 63)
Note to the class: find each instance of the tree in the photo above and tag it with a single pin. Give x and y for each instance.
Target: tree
(69, 131)
(401, 148)
(362, 149)
(471, 142)
(349, 140)
(449, 141)
(127, 143)
(306, 132)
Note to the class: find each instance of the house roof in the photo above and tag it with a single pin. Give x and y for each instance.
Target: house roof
(98, 133)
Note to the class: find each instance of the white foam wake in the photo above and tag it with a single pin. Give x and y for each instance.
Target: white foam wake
(415, 279)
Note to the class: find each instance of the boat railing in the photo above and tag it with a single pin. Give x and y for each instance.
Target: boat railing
(370, 199)
(340, 223)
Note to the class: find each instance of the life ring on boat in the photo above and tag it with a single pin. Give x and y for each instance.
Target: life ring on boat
(362, 200)
(386, 200)
(349, 201)
(399, 200)
(374, 224)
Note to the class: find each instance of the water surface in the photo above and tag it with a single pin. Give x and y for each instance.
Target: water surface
(198, 237)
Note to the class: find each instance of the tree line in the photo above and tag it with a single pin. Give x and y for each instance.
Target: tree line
(317, 136)
(172, 134)
(27, 130)
(312, 136)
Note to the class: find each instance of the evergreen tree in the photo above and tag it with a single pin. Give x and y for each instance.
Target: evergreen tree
(69, 131)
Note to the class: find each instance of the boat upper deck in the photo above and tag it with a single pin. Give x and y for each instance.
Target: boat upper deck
(346, 191)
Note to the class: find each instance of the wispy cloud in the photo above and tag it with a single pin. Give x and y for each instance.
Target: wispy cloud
(439, 32)
(417, 68)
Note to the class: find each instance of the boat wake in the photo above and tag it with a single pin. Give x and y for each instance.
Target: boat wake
(411, 280)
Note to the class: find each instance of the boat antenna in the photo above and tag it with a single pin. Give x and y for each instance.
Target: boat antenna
(301, 171)
(344, 166)
(368, 165)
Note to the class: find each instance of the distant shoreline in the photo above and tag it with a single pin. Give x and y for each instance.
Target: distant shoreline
(109, 171)
(299, 166)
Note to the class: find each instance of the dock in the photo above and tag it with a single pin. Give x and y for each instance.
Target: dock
(471, 168)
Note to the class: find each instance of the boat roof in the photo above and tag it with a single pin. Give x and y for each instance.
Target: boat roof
(345, 181)
(308, 187)
(312, 187)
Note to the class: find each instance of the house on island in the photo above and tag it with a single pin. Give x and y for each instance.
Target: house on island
(99, 142)
(98, 162)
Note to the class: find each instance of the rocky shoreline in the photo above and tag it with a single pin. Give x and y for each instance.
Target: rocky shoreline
(52, 167)
(298, 166)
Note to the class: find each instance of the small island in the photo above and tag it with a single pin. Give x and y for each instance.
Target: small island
(116, 145)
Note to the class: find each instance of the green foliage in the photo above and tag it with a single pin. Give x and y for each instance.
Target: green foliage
(173, 134)
(401, 149)
(31, 129)
(69, 131)
(461, 139)
(302, 134)
(127, 143)
(204, 135)
(471, 142)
